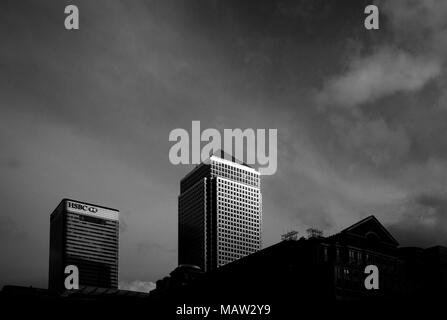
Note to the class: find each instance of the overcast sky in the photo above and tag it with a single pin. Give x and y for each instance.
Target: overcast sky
(361, 117)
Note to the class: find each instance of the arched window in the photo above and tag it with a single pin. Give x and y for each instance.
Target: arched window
(372, 236)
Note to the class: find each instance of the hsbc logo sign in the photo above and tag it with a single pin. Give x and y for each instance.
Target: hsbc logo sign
(82, 207)
(96, 211)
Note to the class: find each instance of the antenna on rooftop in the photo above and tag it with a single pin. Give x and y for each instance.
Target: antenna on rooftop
(291, 235)
(314, 233)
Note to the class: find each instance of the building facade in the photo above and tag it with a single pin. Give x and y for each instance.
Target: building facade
(86, 236)
(220, 213)
(347, 254)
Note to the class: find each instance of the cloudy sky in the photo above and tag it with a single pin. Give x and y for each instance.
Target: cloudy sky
(361, 117)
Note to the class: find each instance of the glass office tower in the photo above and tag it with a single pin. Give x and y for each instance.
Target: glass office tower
(220, 213)
(86, 236)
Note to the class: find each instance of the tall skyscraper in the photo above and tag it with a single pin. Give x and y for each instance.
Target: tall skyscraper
(84, 235)
(220, 213)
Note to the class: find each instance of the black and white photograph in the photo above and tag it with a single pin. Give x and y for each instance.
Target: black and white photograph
(223, 159)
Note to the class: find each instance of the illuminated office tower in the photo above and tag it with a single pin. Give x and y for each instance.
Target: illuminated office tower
(220, 213)
(86, 236)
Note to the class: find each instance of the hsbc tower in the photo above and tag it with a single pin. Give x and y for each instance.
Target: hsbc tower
(86, 236)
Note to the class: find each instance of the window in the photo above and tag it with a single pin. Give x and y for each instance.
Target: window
(351, 255)
(325, 254)
(346, 274)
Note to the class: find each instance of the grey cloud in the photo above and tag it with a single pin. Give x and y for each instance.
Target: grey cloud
(425, 177)
(372, 77)
(419, 24)
(317, 188)
(137, 285)
(371, 141)
(424, 222)
(442, 103)
(416, 30)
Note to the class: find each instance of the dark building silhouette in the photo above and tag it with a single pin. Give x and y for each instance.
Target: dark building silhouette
(86, 236)
(181, 277)
(85, 293)
(317, 276)
(322, 269)
(436, 264)
(220, 213)
(348, 253)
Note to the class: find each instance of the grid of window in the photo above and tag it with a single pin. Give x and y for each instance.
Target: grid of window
(238, 220)
(92, 245)
(236, 173)
(227, 215)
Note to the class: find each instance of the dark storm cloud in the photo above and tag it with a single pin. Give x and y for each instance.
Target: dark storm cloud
(424, 222)
(87, 114)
